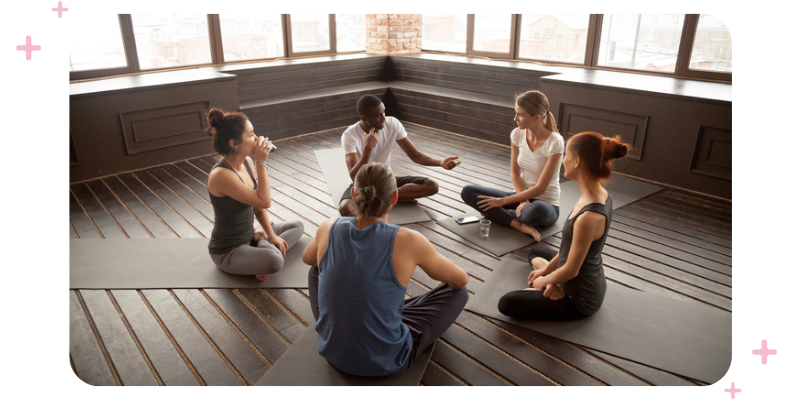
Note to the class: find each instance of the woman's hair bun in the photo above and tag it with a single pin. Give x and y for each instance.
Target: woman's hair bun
(613, 148)
(215, 116)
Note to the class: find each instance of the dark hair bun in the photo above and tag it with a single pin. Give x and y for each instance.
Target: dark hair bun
(215, 116)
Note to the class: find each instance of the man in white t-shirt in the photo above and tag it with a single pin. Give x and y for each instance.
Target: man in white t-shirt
(371, 139)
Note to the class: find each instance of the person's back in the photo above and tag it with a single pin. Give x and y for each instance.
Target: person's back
(361, 302)
(360, 267)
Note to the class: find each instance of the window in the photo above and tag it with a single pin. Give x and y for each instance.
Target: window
(310, 33)
(97, 45)
(492, 33)
(641, 41)
(351, 32)
(560, 25)
(171, 40)
(251, 37)
(712, 46)
(444, 32)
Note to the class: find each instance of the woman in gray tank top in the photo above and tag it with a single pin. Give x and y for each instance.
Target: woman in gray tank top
(237, 195)
(570, 284)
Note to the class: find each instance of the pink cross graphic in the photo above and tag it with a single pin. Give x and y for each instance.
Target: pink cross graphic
(764, 352)
(60, 9)
(28, 48)
(733, 390)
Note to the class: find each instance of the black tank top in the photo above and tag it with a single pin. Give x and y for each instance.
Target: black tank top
(233, 220)
(588, 289)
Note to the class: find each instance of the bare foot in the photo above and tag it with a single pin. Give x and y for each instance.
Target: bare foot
(538, 263)
(262, 277)
(258, 235)
(526, 229)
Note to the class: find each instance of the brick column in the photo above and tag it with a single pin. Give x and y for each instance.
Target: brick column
(394, 33)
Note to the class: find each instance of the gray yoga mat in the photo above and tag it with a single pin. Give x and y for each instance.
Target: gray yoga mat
(302, 365)
(504, 239)
(168, 264)
(682, 337)
(336, 176)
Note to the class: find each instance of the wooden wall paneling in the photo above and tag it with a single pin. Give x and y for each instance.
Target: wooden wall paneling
(669, 151)
(713, 155)
(165, 124)
(158, 128)
(632, 128)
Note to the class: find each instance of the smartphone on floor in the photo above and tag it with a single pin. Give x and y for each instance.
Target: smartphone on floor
(467, 220)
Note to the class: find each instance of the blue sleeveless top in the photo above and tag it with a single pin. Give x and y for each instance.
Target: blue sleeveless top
(360, 325)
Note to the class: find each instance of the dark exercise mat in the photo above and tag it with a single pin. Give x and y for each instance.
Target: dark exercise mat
(302, 365)
(505, 239)
(334, 169)
(168, 264)
(682, 337)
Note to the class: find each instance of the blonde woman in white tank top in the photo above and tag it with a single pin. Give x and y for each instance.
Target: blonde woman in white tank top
(536, 152)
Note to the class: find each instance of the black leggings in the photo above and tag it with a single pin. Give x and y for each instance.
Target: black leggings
(427, 315)
(531, 304)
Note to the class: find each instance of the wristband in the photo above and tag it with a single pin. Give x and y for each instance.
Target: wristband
(264, 163)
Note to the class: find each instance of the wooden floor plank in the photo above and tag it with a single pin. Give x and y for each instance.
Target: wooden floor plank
(672, 225)
(558, 371)
(574, 355)
(649, 374)
(151, 221)
(191, 215)
(493, 358)
(435, 376)
(129, 362)
(83, 225)
(176, 222)
(122, 215)
(244, 358)
(171, 368)
(104, 222)
(679, 248)
(261, 334)
(211, 368)
(88, 359)
(465, 367)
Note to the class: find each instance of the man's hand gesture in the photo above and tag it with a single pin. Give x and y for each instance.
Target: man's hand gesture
(450, 163)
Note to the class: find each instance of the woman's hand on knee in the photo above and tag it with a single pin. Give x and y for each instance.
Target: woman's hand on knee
(521, 206)
(278, 242)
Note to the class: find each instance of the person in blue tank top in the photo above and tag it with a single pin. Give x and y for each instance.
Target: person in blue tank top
(360, 269)
(569, 284)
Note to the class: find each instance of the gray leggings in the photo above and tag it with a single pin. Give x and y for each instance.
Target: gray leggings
(262, 259)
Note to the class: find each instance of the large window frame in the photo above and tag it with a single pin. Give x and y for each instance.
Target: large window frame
(593, 38)
(216, 49)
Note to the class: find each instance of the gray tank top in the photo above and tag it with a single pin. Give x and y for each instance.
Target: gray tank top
(588, 289)
(233, 220)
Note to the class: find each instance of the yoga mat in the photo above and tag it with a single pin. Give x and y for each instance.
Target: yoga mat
(302, 365)
(682, 337)
(168, 264)
(505, 239)
(334, 169)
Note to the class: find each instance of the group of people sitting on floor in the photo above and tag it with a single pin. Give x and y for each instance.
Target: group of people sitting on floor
(361, 265)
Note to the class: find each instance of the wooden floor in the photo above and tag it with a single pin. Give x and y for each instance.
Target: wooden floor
(675, 243)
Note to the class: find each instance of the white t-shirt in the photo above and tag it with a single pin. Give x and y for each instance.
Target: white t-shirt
(531, 163)
(353, 140)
